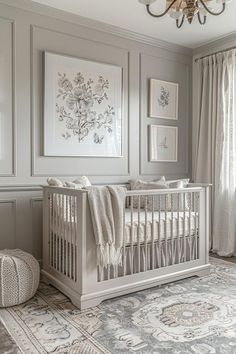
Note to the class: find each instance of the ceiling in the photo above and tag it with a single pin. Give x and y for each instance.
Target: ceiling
(131, 15)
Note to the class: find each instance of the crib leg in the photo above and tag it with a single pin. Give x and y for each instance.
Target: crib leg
(85, 304)
(45, 280)
(204, 272)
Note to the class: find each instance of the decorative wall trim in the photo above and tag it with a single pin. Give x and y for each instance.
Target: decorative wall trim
(220, 43)
(20, 188)
(13, 173)
(32, 120)
(186, 172)
(14, 206)
(97, 25)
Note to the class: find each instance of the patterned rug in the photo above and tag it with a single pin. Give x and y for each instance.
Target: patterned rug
(192, 316)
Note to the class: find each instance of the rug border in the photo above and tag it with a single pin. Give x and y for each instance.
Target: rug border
(222, 261)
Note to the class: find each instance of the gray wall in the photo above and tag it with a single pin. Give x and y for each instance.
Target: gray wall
(25, 32)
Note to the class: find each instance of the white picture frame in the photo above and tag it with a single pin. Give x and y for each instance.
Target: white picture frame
(163, 99)
(163, 143)
(82, 107)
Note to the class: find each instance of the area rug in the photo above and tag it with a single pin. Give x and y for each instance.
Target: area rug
(192, 316)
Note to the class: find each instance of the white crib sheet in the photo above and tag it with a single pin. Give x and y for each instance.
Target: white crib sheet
(171, 225)
(174, 229)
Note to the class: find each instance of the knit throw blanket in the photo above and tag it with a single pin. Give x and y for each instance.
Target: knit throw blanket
(107, 209)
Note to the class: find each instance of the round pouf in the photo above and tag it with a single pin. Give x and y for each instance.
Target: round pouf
(19, 277)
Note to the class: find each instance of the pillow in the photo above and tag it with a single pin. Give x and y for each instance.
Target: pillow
(159, 201)
(53, 181)
(83, 180)
(73, 185)
(138, 184)
(179, 183)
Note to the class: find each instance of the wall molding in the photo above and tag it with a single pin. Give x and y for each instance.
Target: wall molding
(13, 103)
(20, 188)
(13, 202)
(126, 100)
(96, 25)
(187, 171)
(211, 47)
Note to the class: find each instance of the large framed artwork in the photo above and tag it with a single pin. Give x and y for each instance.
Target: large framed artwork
(82, 107)
(163, 99)
(163, 143)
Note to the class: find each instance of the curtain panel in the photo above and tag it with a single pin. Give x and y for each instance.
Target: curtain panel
(215, 160)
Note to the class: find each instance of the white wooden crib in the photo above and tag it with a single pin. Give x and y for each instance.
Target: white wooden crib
(165, 239)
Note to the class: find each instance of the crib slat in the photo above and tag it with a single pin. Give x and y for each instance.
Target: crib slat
(159, 230)
(75, 222)
(145, 237)
(67, 231)
(54, 229)
(63, 233)
(71, 234)
(152, 232)
(60, 232)
(132, 234)
(57, 230)
(178, 226)
(196, 223)
(138, 234)
(189, 226)
(166, 240)
(124, 244)
(50, 197)
(184, 232)
(172, 237)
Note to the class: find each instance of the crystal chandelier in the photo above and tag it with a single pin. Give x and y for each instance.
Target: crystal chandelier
(180, 10)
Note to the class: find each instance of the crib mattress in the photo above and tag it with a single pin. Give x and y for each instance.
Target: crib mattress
(165, 226)
(170, 225)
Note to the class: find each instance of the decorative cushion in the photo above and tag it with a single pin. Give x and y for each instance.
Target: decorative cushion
(182, 203)
(55, 182)
(83, 180)
(138, 184)
(73, 185)
(19, 277)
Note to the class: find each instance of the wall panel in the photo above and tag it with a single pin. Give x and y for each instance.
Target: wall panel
(7, 223)
(6, 98)
(156, 67)
(47, 40)
(37, 226)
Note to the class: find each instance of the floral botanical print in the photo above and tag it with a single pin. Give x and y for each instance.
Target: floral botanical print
(83, 113)
(163, 100)
(76, 109)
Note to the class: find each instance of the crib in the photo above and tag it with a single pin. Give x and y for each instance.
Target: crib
(166, 235)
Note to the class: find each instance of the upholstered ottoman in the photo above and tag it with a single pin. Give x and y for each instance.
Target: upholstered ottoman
(19, 277)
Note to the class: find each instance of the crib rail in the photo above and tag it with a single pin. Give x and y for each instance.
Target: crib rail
(161, 229)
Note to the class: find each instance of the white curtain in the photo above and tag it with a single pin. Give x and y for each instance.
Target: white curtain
(215, 160)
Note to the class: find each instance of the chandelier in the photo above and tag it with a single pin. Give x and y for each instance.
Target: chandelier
(180, 10)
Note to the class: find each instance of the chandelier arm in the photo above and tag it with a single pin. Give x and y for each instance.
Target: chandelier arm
(179, 24)
(202, 22)
(211, 12)
(163, 13)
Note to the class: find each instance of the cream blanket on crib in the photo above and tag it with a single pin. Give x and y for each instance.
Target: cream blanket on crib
(107, 208)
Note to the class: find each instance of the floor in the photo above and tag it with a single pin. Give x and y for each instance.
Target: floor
(231, 259)
(8, 346)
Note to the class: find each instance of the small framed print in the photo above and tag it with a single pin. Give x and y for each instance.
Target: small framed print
(163, 143)
(163, 99)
